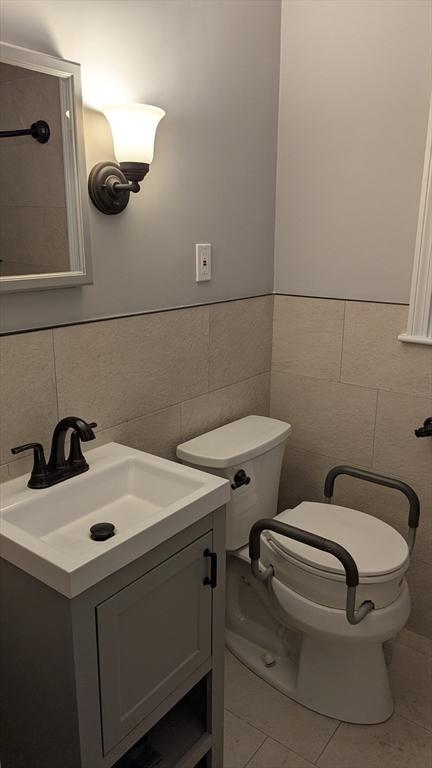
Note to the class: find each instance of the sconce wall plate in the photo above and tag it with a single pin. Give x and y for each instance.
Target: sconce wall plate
(110, 184)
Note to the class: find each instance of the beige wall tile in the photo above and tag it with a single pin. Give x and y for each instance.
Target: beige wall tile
(396, 449)
(241, 741)
(115, 371)
(303, 476)
(307, 336)
(328, 418)
(213, 409)
(240, 340)
(4, 473)
(36, 237)
(373, 356)
(263, 707)
(28, 404)
(158, 433)
(419, 579)
(394, 744)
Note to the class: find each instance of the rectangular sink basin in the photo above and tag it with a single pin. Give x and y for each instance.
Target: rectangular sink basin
(46, 532)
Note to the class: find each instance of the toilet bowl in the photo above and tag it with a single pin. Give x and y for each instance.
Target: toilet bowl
(292, 629)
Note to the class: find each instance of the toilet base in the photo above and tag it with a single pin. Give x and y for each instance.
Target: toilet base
(331, 681)
(337, 677)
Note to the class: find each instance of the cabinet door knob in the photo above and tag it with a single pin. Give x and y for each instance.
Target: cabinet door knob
(211, 580)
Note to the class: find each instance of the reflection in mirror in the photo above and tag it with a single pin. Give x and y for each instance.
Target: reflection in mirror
(43, 241)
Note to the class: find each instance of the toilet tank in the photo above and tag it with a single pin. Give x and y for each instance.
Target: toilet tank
(249, 453)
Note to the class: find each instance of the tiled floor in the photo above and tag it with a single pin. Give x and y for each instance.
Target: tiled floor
(265, 729)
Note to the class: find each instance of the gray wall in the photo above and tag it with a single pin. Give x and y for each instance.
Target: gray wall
(354, 95)
(214, 67)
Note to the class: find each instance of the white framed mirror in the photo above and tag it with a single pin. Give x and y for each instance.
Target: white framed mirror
(44, 235)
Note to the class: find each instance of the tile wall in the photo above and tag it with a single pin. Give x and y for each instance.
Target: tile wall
(354, 394)
(149, 381)
(351, 391)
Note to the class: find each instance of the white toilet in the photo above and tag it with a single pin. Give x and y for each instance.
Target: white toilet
(288, 622)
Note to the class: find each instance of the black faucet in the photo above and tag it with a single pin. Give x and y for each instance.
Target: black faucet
(425, 430)
(58, 467)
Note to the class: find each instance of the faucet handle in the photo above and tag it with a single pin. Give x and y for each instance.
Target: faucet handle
(40, 469)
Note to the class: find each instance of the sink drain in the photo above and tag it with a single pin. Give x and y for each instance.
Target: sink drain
(102, 531)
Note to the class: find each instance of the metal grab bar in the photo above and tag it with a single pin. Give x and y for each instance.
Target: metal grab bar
(388, 482)
(312, 540)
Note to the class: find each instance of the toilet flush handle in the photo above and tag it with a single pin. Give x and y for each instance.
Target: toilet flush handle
(240, 478)
(312, 540)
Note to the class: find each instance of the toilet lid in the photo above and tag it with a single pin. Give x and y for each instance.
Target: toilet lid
(376, 547)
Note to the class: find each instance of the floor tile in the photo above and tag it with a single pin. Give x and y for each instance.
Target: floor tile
(265, 708)
(241, 741)
(275, 755)
(394, 744)
(411, 681)
(416, 642)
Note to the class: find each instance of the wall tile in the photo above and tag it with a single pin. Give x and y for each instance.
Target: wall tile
(328, 418)
(396, 448)
(4, 473)
(28, 404)
(419, 579)
(213, 409)
(36, 237)
(240, 340)
(373, 356)
(115, 371)
(307, 336)
(302, 477)
(158, 433)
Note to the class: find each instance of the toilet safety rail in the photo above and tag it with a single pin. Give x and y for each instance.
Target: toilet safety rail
(312, 540)
(388, 482)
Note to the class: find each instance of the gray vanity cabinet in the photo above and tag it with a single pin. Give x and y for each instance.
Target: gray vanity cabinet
(137, 659)
(152, 636)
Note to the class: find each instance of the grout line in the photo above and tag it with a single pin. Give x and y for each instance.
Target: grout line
(275, 738)
(343, 342)
(374, 428)
(412, 722)
(327, 743)
(257, 750)
(55, 373)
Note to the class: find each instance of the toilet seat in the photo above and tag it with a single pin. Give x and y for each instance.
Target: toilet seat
(380, 552)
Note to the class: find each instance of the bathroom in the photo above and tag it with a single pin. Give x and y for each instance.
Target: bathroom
(258, 263)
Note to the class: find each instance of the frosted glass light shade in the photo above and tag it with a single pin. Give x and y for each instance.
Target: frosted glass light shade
(133, 128)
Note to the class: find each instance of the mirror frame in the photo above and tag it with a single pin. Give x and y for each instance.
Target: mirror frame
(77, 206)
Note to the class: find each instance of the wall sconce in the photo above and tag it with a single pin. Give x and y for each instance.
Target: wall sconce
(133, 128)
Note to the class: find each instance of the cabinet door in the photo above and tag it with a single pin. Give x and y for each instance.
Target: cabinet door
(152, 635)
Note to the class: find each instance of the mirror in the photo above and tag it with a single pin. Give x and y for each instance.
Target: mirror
(44, 240)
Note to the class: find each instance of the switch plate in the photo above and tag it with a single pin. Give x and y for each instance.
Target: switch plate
(203, 262)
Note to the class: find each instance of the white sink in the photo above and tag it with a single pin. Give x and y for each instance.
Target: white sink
(148, 500)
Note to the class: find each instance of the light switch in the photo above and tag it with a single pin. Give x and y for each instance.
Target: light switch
(203, 261)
